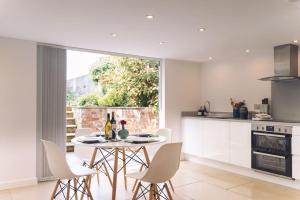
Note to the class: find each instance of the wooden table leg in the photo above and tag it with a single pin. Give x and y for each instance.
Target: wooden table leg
(124, 168)
(107, 173)
(146, 156)
(89, 179)
(115, 177)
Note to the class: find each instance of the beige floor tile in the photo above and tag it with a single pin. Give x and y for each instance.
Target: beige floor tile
(203, 190)
(192, 182)
(41, 191)
(182, 178)
(5, 195)
(262, 190)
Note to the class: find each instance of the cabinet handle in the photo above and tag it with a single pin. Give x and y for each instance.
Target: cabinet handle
(267, 134)
(266, 154)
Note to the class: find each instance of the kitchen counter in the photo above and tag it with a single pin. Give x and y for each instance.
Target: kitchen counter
(194, 115)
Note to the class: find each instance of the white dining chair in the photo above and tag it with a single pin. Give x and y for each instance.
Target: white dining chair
(164, 132)
(66, 174)
(84, 153)
(167, 133)
(162, 168)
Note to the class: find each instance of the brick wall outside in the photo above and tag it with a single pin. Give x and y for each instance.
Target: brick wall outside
(138, 119)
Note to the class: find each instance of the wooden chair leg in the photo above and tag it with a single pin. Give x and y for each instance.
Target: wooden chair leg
(136, 181)
(168, 191)
(68, 189)
(97, 174)
(75, 188)
(170, 182)
(151, 192)
(136, 191)
(83, 189)
(156, 192)
(107, 174)
(124, 168)
(89, 191)
(55, 189)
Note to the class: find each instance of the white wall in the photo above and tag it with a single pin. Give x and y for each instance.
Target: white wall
(181, 86)
(18, 112)
(236, 77)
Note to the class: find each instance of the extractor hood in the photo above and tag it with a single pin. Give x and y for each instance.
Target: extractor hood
(285, 63)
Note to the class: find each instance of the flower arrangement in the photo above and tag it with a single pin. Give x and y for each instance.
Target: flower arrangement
(123, 133)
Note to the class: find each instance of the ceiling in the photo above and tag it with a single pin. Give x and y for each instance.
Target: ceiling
(232, 26)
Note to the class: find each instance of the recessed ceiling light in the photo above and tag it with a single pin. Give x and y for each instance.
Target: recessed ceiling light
(202, 29)
(247, 50)
(210, 58)
(149, 16)
(295, 41)
(162, 42)
(114, 35)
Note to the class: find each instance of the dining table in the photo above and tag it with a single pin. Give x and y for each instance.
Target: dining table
(132, 149)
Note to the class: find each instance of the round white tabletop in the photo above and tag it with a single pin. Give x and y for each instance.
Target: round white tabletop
(121, 143)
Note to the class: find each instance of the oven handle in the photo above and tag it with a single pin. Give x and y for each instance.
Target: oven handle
(266, 154)
(268, 134)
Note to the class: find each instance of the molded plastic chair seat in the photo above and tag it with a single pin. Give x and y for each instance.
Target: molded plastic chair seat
(161, 169)
(62, 171)
(79, 171)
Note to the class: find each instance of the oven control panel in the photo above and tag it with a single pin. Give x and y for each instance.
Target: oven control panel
(272, 128)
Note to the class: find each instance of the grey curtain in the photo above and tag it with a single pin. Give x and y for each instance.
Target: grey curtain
(51, 98)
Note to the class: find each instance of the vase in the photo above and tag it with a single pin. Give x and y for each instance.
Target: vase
(123, 133)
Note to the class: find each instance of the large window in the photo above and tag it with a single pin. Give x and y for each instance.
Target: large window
(98, 84)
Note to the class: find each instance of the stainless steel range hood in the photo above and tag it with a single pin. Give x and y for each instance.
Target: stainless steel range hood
(286, 63)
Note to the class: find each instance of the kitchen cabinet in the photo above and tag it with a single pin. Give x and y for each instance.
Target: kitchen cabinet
(224, 141)
(240, 144)
(192, 136)
(216, 140)
(296, 153)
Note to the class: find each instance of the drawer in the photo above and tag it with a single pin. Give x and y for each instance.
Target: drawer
(296, 145)
(296, 130)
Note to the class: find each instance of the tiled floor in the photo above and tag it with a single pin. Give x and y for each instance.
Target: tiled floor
(192, 182)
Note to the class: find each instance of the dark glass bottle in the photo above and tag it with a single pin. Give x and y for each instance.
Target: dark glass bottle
(113, 126)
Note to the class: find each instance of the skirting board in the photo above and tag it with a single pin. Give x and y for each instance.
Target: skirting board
(244, 171)
(18, 183)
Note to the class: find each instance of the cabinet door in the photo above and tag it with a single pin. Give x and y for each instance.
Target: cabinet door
(240, 144)
(192, 136)
(216, 140)
(296, 166)
(296, 156)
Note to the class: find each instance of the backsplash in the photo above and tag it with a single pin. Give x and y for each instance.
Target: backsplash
(286, 100)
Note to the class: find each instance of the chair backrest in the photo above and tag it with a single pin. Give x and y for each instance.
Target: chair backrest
(165, 163)
(57, 160)
(83, 152)
(166, 132)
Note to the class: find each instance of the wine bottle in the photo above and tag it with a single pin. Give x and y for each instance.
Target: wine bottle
(113, 125)
(108, 128)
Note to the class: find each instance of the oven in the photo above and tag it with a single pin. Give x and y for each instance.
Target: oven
(271, 149)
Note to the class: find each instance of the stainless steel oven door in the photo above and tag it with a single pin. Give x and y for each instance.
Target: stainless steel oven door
(272, 143)
(281, 165)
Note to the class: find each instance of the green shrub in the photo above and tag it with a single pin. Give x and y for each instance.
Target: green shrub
(90, 99)
(114, 98)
